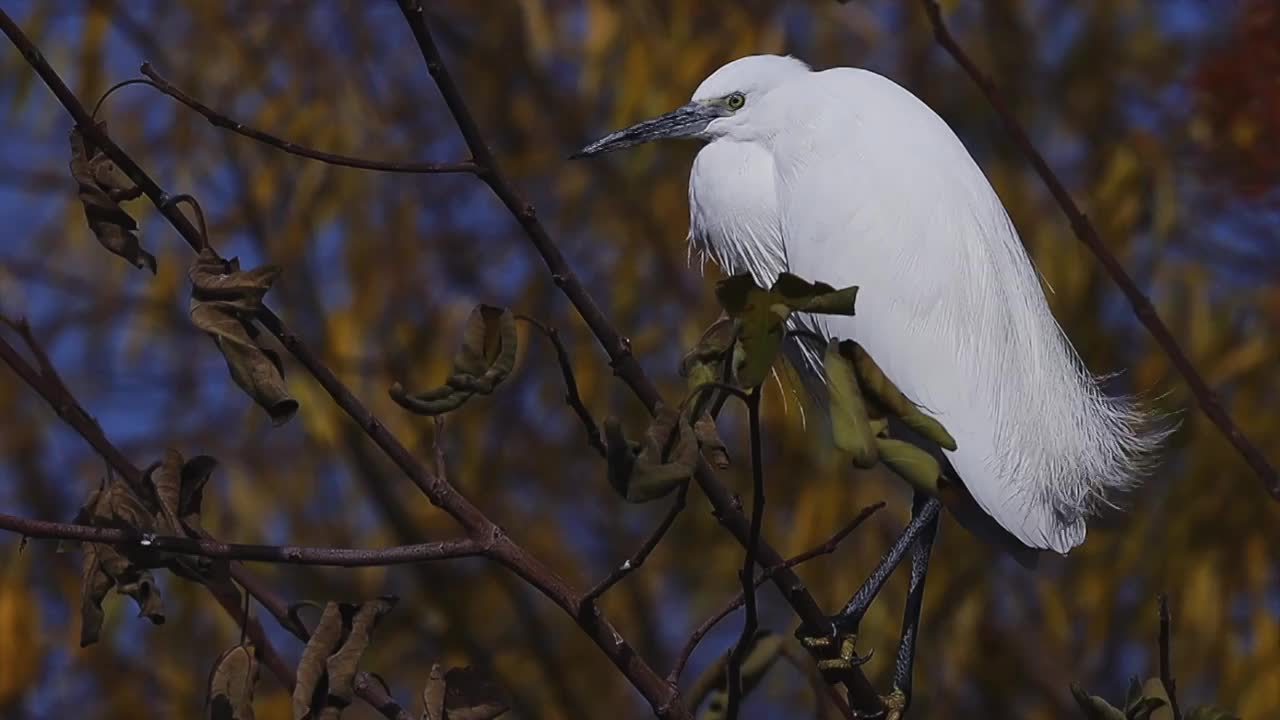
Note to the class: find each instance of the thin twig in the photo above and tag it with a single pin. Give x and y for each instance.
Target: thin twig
(827, 547)
(280, 554)
(635, 561)
(571, 396)
(751, 621)
(621, 359)
(1088, 234)
(1166, 667)
(218, 119)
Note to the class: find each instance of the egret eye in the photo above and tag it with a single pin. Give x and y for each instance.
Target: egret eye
(735, 101)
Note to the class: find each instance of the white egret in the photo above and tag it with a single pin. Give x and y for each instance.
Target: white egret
(843, 176)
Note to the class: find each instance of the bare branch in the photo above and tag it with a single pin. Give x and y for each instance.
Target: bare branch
(635, 561)
(218, 119)
(284, 554)
(571, 395)
(1166, 667)
(751, 622)
(826, 548)
(1085, 231)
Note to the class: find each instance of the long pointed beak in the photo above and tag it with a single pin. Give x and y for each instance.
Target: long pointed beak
(684, 121)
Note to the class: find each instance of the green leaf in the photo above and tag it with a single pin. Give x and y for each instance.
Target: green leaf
(1142, 709)
(817, 297)
(882, 389)
(224, 300)
(485, 358)
(850, 425)
(763, 316)
(705, 362)
(102, 187)
(231, 684)
(914, 465)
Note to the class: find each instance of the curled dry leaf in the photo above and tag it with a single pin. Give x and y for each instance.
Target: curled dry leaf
(231, 684)
(705, 362)
(327, 670)
(704, 429)
(102, 187)
(652, 469)
(485, 358)
(465, 693)
(169, 504)
(224, 300)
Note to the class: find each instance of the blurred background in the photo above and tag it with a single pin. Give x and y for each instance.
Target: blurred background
(1162, 117)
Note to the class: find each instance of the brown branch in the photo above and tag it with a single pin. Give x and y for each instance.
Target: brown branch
(283, 554)
(1085, 231)
(48, 384)
(751, 621)
(1166, 667)
(633, 563)
(661, 697)
(571, 395)
(617, 347)
(826, 548)
(218, 119)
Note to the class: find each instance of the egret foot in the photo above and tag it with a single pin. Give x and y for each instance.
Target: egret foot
(895, 704)
(844, 645)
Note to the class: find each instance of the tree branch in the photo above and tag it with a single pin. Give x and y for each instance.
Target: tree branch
(220, 120)
(617, 347)
(751, 622)
(662, 698)
(826, 548)
(571, 396)
(1166, 667)
(1085, 231)
(633, 563)
(284, 554)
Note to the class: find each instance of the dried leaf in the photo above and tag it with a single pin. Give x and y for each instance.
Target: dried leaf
(223, 302)
(666, 458)
(102, 187)
(485, 358)
(231, 684)
(309, 690)
(342, 665)
(850, 423)
(882, 389)
(326, 672)
(433, 695)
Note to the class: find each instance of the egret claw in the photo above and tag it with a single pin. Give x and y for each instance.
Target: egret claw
(847, 658)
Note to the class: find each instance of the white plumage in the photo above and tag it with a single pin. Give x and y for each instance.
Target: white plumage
(843, 176)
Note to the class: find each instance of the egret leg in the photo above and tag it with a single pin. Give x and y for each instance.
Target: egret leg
(843, 638)
(924, 517)
(920, 553)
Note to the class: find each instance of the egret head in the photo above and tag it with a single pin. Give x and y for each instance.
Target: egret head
(720, 105)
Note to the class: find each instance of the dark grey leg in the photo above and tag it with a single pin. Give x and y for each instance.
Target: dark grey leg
(924, 521)
(920, 553)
